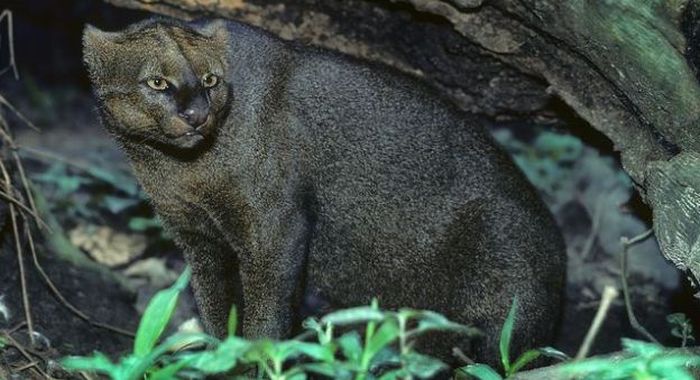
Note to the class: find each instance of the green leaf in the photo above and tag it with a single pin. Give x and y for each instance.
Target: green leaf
(140, 224)
(394, 374)
(260, 351)
(333, 370)
(387, 332)
(680, 326)
(353, 315)
(351, 346)
(422, 366)
(323, 334)
(292, 349)
(68, 185)
(641, 348)
(523, 360)
(296, 376)
(3, 342)
(677, 332)
(676, 318)
(601, 365)
(232, 323)
(168, 372)
(432, 321)
(222, 359)
(136, 366)
(115, 205)
(553, 353)
(385, 358)
(318, 352)
(481, 372)
(181, 340)
(125, 183)
(677, 374)
(313, 324)
(507, 334)
(680, 360)
(157, 315)
(97, 363)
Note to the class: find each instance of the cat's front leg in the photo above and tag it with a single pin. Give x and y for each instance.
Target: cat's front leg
(215, 276)
(272, 274)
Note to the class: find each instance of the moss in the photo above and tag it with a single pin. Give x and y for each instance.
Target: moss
(639, 48)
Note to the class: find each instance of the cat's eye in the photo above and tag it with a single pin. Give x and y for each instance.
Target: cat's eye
(210, 80)
(159, 84)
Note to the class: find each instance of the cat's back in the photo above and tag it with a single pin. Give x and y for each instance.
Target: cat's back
(389, 129)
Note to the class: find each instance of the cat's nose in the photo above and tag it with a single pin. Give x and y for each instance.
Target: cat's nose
(194, 117)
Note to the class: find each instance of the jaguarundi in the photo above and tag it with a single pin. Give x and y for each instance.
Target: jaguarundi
(282, 169)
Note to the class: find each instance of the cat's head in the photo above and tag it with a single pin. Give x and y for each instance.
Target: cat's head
(162, 82)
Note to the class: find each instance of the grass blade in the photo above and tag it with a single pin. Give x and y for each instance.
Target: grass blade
(481, 372)
(507, 335)
(157, 315)
(232, 323)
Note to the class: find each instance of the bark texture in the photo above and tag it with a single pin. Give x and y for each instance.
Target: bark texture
(627, 67)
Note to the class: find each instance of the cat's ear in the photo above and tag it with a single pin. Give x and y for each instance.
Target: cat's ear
(217, 30)
(98, 47)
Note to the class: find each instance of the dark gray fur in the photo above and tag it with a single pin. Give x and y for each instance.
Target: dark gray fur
(350, 179)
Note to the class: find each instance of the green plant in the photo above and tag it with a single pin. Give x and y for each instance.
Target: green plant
(681, 327)
(642, 361)
(348, 356)
(93, 193)
(485, 372)
(145, 352)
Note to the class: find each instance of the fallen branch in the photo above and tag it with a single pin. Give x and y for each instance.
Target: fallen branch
(20, 258)
(626, 244)
(24, 207)
(7, 15)
(609, 295)
(25, 352)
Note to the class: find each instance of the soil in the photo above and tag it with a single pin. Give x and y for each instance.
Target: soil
(60, 329)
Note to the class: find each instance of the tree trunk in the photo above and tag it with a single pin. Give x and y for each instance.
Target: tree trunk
(627, 67)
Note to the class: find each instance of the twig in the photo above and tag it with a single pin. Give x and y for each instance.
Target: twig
(27, 188)
(19, 326)
(12, 108)
(459, 354)
(595, 224)
(6, 134)
(20, 259)
(609, 294)
(24, 208)
(14, 343)
(7, 14)
(32, 210)
(115, 329)
(26, 366)
(48, 156)
(637, 239)
(626, 244)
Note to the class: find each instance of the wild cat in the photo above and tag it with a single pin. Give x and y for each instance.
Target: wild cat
(281, 169)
